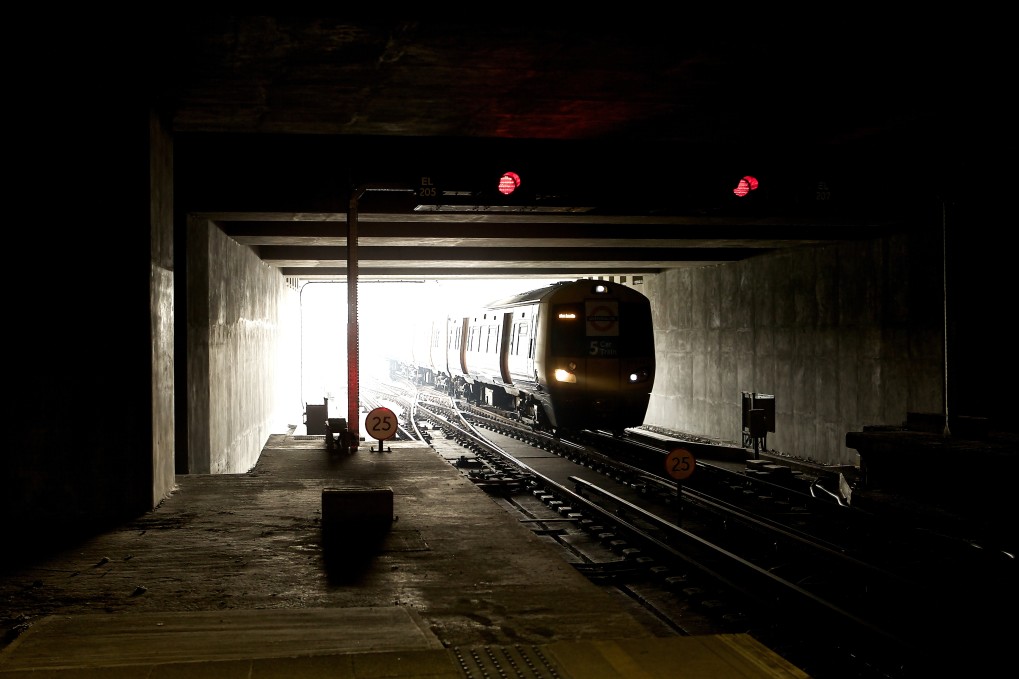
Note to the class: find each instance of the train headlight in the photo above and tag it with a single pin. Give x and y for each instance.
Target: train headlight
(565, 376)
(638, 376)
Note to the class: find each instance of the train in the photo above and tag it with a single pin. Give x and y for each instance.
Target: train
(570, 356)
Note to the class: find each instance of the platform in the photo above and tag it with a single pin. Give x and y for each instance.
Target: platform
(227, 578)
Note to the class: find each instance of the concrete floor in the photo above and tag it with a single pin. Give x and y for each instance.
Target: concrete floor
(229, 577)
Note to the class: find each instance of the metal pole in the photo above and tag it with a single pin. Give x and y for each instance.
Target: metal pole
(353, 332)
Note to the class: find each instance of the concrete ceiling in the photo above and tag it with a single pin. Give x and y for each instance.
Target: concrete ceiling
(629, 139)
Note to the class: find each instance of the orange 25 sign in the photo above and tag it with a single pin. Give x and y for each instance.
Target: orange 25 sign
(680, 463)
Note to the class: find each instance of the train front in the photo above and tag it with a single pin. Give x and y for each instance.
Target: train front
(599, 358)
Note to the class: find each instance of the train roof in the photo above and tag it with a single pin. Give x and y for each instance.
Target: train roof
(529, 297)
(534, 296)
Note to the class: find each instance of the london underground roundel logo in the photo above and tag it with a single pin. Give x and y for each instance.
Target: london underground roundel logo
(602, 318)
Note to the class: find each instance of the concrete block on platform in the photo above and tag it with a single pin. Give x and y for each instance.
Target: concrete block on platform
(356, 512)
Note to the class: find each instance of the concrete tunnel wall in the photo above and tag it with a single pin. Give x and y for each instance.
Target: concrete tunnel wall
(843, 335)
(89, 369)
(161, 309)
(243, 352)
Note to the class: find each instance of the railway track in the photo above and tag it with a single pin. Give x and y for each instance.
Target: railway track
(839, 592)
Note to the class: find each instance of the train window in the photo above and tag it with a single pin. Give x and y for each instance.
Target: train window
(519, 339)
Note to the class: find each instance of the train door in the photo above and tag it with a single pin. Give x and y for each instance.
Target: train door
(504, 347)
(526, 339)
(463, 344)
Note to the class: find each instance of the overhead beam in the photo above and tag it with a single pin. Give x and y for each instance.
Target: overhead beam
(291, 255)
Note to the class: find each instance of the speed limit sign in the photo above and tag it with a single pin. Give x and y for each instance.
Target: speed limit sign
(680, 464)
(380, 424)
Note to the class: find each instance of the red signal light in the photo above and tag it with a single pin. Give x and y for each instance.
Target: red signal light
(745, 186)
(508, 183)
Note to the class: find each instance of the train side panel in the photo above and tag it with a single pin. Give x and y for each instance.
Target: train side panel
(455, 347)
(523, 326)
(425, 360)
(482, 361)
(437, 360)
(499, 356)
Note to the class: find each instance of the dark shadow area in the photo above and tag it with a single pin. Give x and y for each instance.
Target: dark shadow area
(349, 551)
(33, 542)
